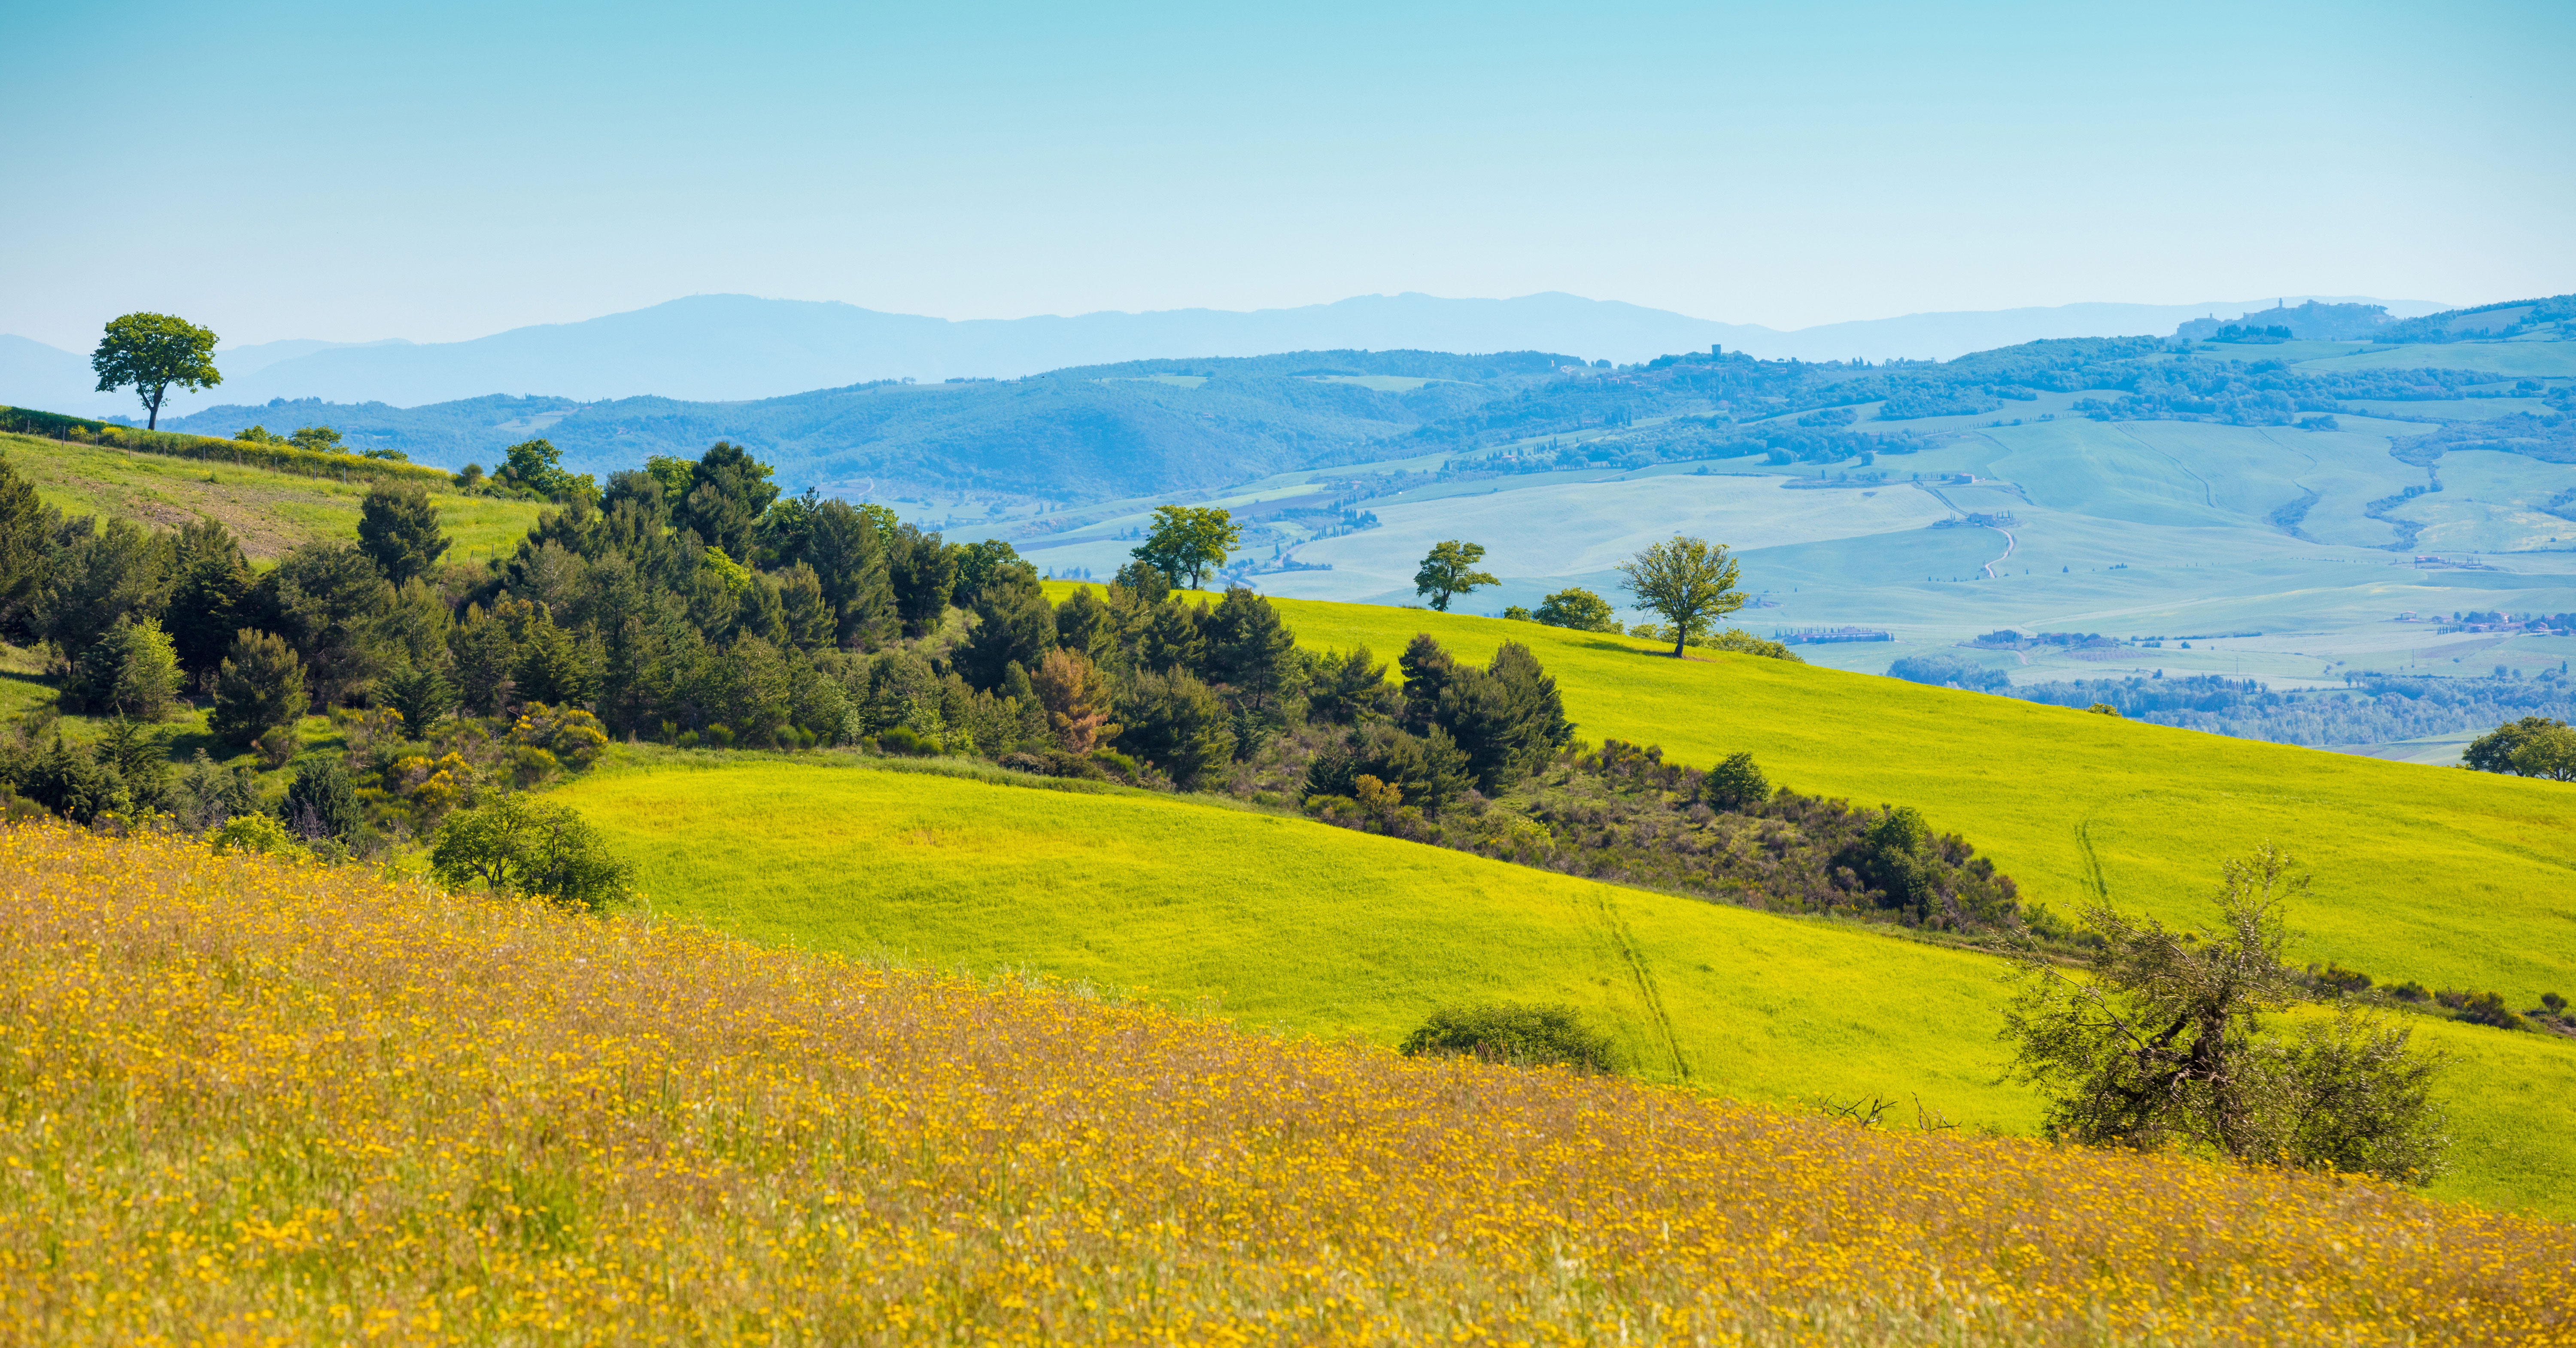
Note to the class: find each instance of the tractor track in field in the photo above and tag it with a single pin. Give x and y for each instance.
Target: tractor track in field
(1616, 927)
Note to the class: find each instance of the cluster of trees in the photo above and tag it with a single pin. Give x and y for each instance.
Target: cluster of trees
(1483, 760)
(2534, 746)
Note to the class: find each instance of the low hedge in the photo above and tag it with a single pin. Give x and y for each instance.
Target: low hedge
(275, 458)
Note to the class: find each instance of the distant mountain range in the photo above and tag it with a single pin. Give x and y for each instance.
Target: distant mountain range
(1101, 432)
(725, 348)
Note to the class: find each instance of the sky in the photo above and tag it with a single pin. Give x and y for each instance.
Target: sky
(443, 171)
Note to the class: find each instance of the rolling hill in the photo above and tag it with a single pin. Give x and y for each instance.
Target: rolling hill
(268, 511)
(284, 1104)
(2445, 877)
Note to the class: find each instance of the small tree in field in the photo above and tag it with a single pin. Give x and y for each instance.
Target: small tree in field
(2162, 1045)
(1451, 571)
(515, 845)
(1690, 581)
(151, 352)
(1188, 541)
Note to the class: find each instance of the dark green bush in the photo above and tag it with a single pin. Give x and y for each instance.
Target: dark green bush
(907, 742)
(1734, 785)
(1524, 1036)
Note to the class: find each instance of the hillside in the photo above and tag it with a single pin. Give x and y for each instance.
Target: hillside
(2443, 876)
(294, 1105)
(1289, 923)
(269, 511)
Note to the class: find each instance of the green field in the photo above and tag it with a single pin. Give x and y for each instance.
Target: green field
(270, 512)
(1294, 925)
(2446, 877)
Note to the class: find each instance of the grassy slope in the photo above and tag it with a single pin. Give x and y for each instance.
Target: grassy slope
(2439, 875)
(271, 512)
(1319, 929)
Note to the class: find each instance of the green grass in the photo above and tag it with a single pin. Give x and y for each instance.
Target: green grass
(1295, 925)
(2435, 874)
(270, 512)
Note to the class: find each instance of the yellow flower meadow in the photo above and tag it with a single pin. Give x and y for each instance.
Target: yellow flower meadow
(245, 1102)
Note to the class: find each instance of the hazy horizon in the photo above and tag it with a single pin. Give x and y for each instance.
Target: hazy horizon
(440, 176)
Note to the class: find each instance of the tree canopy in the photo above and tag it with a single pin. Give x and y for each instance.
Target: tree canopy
(2163, 1044)
(1690, 581)
(152, 352)
(1189, 541)
(1450, 571)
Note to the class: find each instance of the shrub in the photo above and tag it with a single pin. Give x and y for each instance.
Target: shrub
(322, 802)
(276, 746)
(1734, 785)
(1577, 608)
(2351, 1097)
(256, 833)
(1741, 642)
(2339, 980)
(903, 740)
(516, 845)
(1525, 1036)
(2103, 709)
(2481, 1008)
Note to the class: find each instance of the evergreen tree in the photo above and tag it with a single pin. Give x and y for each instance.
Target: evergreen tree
(398, 530)
(1014, 624)
(259, 686)
(213, 578)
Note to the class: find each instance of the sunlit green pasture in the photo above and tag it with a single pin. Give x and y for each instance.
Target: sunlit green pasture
(269, 511)
(2439, 875)
(1291, 924)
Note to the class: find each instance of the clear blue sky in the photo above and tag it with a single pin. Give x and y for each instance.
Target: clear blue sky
(438, 171)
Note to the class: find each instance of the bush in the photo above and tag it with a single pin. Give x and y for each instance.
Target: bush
(2481, 1008)
(1579, 609)
(1741, 642)
(1734, 785)
(322, 802)
(255, 833)
(519, 846)
(906, 742)
(1524, 1036)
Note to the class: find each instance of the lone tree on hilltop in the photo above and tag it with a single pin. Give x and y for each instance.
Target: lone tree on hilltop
(1187, 541)
(2163, 1045)
(1451, 571)
(151, 352)
(1690, 581)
